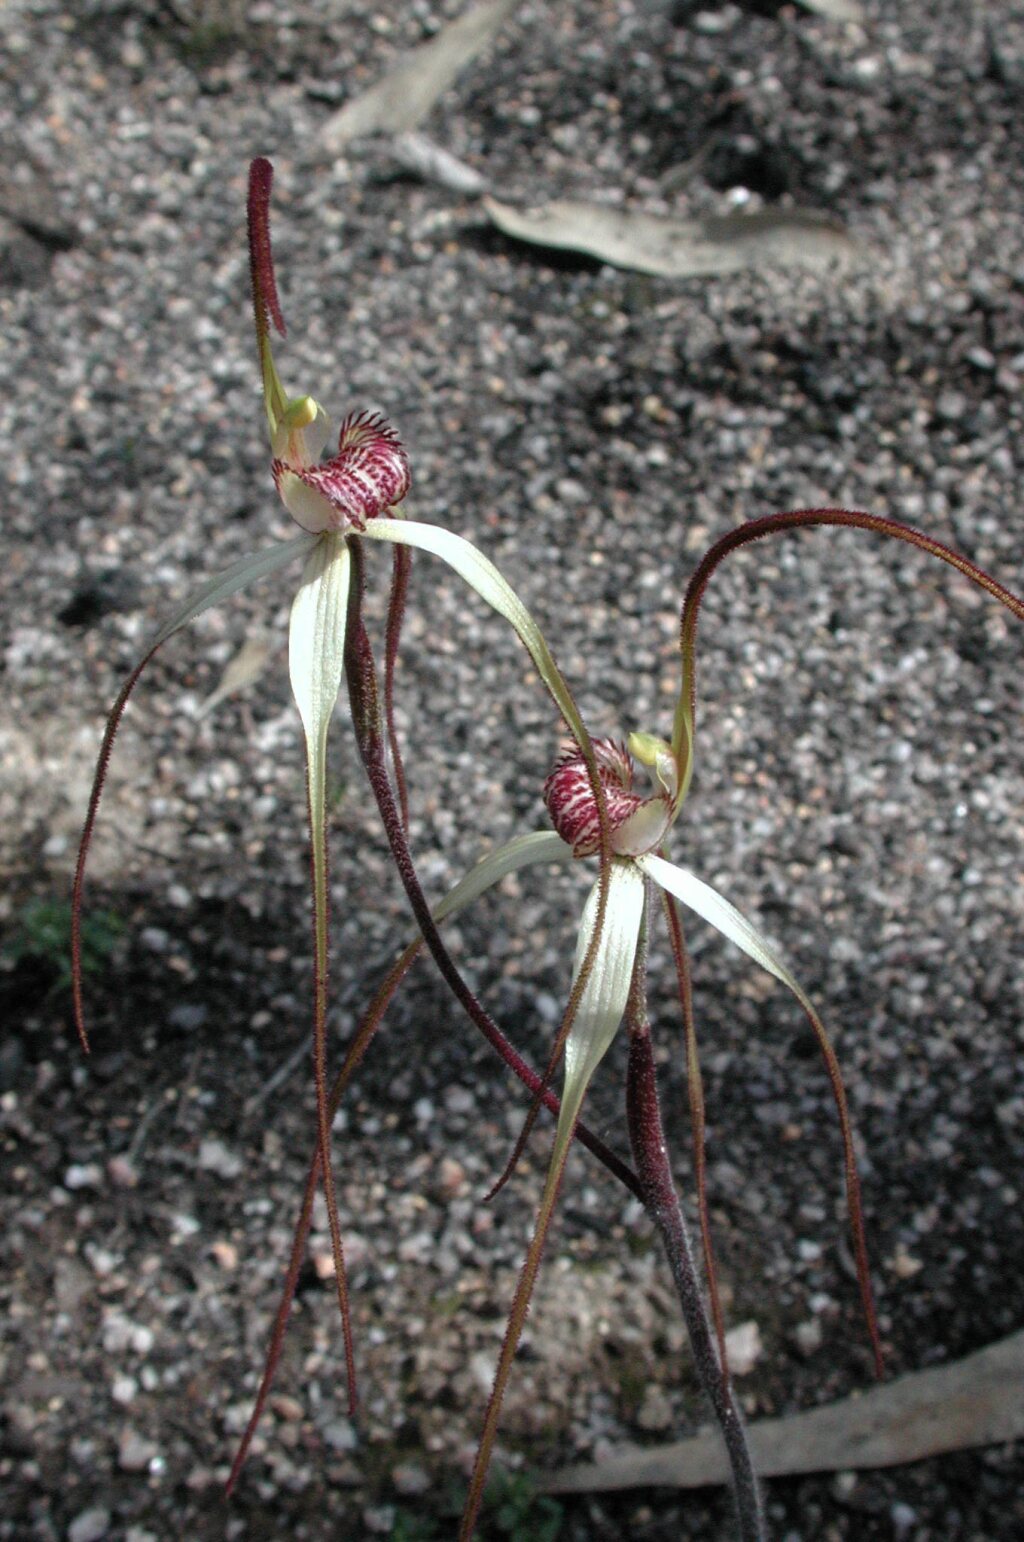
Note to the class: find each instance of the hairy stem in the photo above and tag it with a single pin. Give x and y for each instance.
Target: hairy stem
(96, 793)
(662, 1204)
(353, 1057)
(364, 697)
(695, 1091)
(401, 564)
(513, 1332)
(775, 524)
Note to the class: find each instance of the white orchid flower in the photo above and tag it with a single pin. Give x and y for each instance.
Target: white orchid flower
(637, 827)
(354, 494)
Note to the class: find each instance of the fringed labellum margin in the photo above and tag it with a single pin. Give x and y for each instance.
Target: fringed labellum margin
(637, 824)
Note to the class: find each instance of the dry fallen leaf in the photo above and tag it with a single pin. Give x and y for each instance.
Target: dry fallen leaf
(433, 163)
(679, 248)
(834, 10)
(977, 1401)
(407, 93)
(247, 665)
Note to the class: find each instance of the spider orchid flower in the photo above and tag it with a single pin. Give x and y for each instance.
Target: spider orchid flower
(608, 976)
(352, 496)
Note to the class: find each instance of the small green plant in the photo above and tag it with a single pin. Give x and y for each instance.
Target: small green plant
(43, 933)
(517, 1512)
(512, 1511)
(408, 1527)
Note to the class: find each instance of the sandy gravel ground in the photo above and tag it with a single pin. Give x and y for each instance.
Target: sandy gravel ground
(859, 785)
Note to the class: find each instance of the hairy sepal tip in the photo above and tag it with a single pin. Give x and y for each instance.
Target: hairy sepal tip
(261, 257)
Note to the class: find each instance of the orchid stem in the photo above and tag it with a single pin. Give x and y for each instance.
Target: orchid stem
(698, 1123)
(353, 1058)
(661, 1201)
(401, 564)
(361, 674)
(775, 524)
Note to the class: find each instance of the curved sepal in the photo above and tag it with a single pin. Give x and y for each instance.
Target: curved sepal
(605, 992)
(481, 574)
(247, 570)
(708, 903)
(523, 851)
(714, 908)
(316, 647)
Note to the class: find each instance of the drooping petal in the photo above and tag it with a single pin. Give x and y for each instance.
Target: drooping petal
(523, 851)
(605, 992)
(723, 916)
(368, 476)
(775, 524)
(316, 647)
(316, 637)
(600, 1010)
(707, 902)
(247, 570)
(483, 576)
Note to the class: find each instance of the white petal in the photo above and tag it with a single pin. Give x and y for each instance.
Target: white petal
(308, 507)
(245, 571)
(644, 829)
(542, 846)
(483, 576)
(714, 908)
(316, 637)
(316, 648)
(606, 991)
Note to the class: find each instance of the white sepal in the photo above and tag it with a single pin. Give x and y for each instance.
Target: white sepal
(605, 992)
(247, 570)
(481, 575)
(316, 649)
(541, 846)
(316, 642)
(700, 897)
